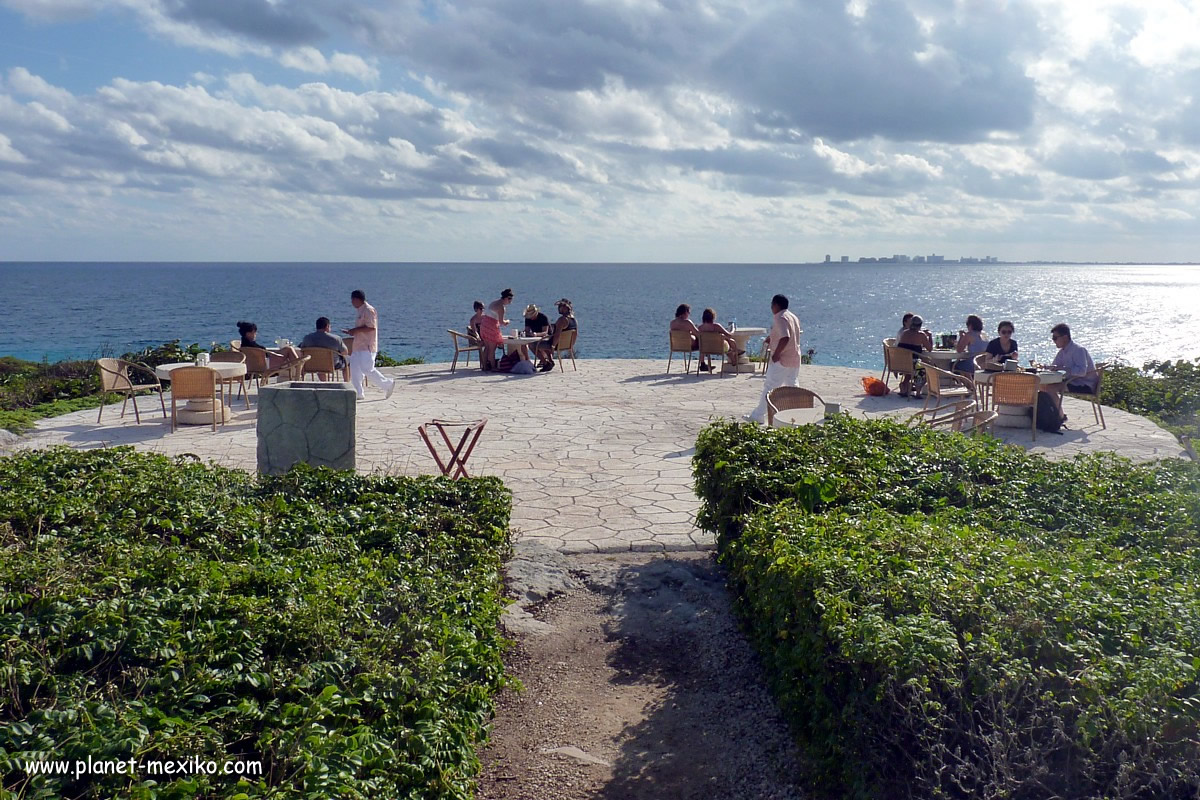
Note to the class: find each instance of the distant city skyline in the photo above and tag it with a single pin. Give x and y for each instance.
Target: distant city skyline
(608, 130)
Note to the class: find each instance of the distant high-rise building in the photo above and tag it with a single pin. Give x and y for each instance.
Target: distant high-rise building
(845, 259)
(936, 259)
(900, 258)
(827, 258)
(918, 259)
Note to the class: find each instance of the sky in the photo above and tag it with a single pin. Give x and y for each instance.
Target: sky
(598, 130)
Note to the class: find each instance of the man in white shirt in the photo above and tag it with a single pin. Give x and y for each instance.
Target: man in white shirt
(784, 341)
(366, 344)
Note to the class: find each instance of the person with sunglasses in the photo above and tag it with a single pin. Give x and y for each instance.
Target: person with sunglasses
(1075, 360)
(1003, 347)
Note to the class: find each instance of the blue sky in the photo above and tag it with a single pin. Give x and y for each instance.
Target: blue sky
(593, 130)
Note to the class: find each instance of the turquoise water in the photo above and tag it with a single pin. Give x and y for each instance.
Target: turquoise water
(61, 310)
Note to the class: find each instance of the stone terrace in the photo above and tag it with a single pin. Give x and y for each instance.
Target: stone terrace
(598, 460)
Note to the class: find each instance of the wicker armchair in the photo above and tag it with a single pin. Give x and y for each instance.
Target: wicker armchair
(681, 342)
(712, 344)
(232, 357)
(117, 377)
(947, 386)
(258, 365)
(322, 362)
(888, 344)
(945, 417)
(1094, 397)
(902, 362)
(785, 398)
(1017, 389)
(464, 343)
(196, 383)
(565, 344)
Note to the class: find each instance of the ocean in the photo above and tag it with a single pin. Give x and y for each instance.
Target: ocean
(83, 310)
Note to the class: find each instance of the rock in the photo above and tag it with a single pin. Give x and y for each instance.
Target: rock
(537, 573)
(578, 755)
(517, 620)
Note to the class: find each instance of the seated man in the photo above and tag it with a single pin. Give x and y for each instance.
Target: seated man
(321, 337)
(565, 322)
(709, 324)
(1081, 378)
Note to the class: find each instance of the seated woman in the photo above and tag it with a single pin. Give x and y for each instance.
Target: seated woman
(683, 322)
(971, 343)
(914, 339)
(709, 324)
(565, 322)
(475, 321)
(1003, 347)
(275, 358)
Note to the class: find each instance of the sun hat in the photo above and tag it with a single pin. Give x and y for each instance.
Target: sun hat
(531, 310)
(565, 302)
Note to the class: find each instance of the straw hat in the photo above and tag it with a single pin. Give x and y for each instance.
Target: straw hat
(531, 310)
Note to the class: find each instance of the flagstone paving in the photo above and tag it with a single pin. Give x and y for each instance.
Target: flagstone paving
(599, 460)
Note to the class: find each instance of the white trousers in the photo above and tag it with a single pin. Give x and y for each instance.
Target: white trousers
(362, 365)
(776, 376)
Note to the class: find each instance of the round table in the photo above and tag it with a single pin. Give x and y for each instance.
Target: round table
(742, 337)
(201, 411)
(795, 417)
(511, 343)
(943, 359)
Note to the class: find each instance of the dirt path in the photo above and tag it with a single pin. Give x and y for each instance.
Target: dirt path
(638, 684)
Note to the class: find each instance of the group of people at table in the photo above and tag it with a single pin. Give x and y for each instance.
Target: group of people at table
(485, 327)
(1080, 374)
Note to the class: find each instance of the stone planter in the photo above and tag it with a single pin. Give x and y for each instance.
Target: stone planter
(305, 421)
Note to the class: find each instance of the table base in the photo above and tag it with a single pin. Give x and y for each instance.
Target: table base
(201, 412)
(743, 366)
(1012, 416)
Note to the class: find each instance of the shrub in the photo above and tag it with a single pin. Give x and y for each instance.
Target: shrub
(1167, 392)
(936, 624)
(342, 629)
(382, 359)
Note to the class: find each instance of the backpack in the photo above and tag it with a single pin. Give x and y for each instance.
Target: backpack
(1049, 418)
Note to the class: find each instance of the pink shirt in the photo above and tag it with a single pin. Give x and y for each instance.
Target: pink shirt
(367, 341)
(786, 325)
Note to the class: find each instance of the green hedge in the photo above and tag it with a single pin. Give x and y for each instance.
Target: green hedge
(342, 629)
(1166, 391)
(949, 617)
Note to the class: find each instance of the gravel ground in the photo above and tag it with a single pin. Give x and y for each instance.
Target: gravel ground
(637, 684)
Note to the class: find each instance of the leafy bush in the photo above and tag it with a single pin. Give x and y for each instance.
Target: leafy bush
(342, 629)
(949, 617)
(171, 352)
(30, 390)
(1167, 392)
(382, 359)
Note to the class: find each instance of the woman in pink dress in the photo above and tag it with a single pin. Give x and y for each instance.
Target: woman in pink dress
(489, 328)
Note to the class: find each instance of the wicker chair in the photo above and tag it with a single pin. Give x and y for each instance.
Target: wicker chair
(322, 362)
(1017, 389)
(196, 383)
(258, 366)
(887, 371)
(947, 386)
(765, 355)
(464, 343)
(902, 362)
(1094, 397)
(566, 344)
(233, 357)
(785, 398)
(948, 416)
(681, 342)
(712, 344)
(983, 389)
(116, 377)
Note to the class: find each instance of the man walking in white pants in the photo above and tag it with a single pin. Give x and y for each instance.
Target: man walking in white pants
(366, 344)
(784, 369)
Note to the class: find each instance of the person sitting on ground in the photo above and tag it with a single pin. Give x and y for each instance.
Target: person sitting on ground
(321, 337)
(709, 324)
(918, 341)
(683, 322)
(1003, 347)
(565, 322)
(489, 328)
(970, 342)
(476, 321)
(1076, 361)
